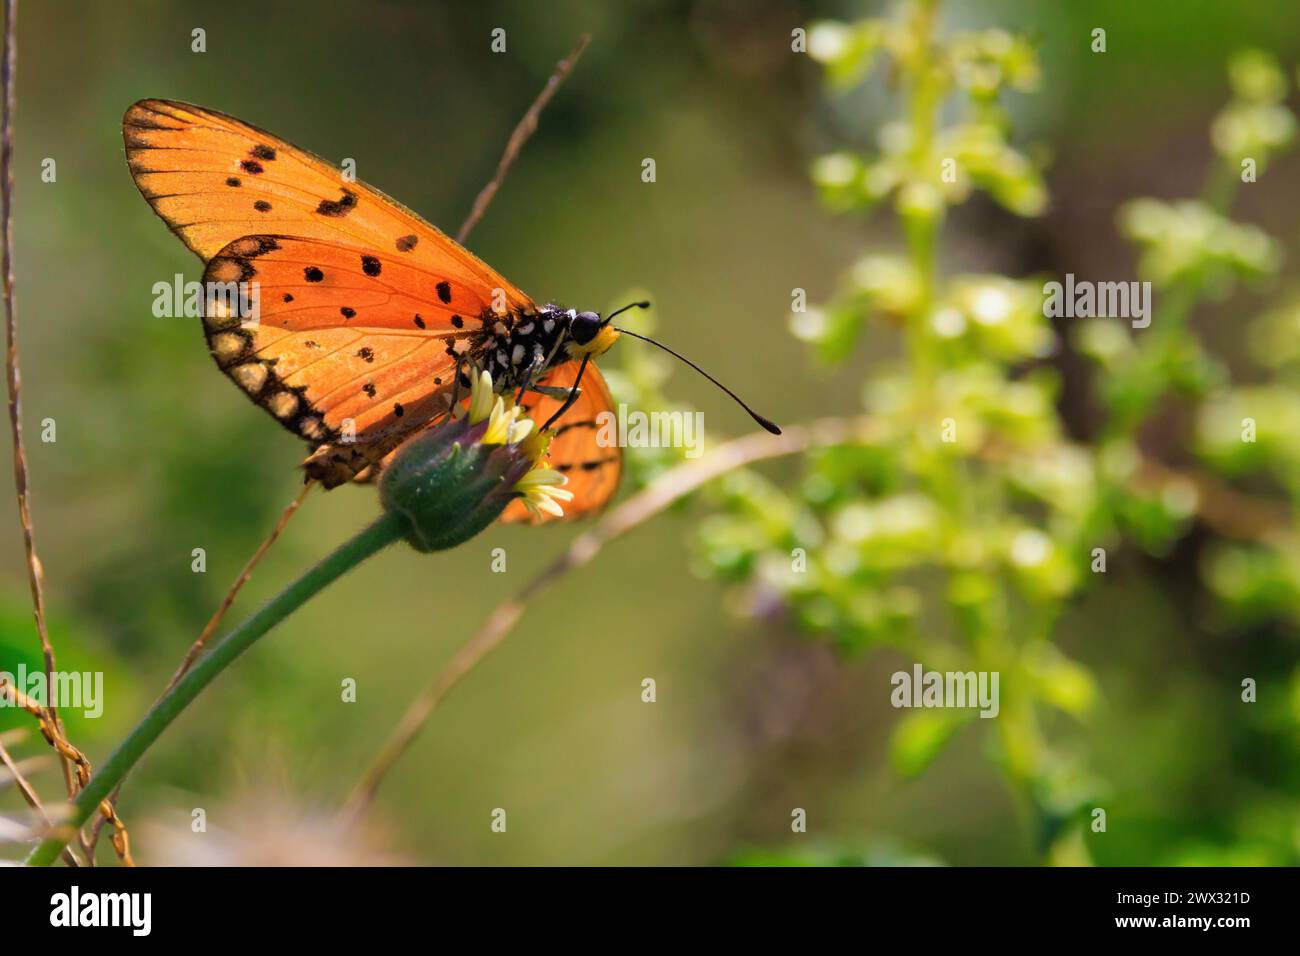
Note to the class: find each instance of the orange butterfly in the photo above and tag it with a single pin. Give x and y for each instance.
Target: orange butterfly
(368, 316)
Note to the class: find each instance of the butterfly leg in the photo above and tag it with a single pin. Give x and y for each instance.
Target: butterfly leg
(535, 366)
(527, 385)
(456, 386)
(573, 393)
(553, 391)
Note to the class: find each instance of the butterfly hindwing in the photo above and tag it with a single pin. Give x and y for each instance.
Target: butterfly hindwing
(338, 344)
(592, 468)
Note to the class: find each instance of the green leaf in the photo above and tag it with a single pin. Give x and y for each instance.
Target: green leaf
(921, 736)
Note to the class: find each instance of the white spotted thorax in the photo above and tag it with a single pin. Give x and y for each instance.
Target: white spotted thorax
(521, 348)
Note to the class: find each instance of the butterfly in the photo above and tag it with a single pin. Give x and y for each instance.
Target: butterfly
(368, 319)
(366, 312)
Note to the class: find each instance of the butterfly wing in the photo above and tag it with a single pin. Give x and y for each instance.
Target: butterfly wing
(593, 470)
(359, 298)
(344, 347)
(214, 179)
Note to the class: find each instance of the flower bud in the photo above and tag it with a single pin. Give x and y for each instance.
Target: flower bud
(453, 480)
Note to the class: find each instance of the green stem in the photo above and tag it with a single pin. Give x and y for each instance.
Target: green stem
(1221, 187)
(1165, 336)
(921, 227)
(383, 532)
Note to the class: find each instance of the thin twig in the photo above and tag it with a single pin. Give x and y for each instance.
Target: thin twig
(665, 490)
(75, 768)
(65, 749)
(525, 129)
(28, 766)
(8, 73)
(33, 801)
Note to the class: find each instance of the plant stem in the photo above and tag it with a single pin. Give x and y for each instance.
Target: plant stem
(383, 532)
(921, 226)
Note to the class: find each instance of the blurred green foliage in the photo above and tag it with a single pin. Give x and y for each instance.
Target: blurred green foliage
(968, 491)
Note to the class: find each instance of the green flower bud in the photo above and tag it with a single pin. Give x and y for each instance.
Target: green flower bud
(448, 486)
(456, 478)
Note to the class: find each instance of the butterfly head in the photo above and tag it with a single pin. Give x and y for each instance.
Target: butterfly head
(589, 334)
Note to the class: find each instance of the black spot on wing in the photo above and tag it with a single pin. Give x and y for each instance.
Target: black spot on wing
(250, 247)
(407, 243)
(251, 166)
(234, 268)
(338, 207)
(370, 266)
(313, 274)
(572, 425)
(261, 151)
(444, 291)
(146, 124)
(593, 465)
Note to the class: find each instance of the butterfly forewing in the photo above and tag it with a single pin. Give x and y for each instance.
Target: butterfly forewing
(215, 179)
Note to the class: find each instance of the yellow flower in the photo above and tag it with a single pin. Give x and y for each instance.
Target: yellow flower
(535, 444)
(541, 487)
(480, 398)
(507, 424)
(542, 491)
(504, 426)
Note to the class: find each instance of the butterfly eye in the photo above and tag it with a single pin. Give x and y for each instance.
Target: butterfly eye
(584, 326)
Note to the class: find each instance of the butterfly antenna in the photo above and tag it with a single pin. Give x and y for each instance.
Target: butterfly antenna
(770, 426)
(630, 305)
